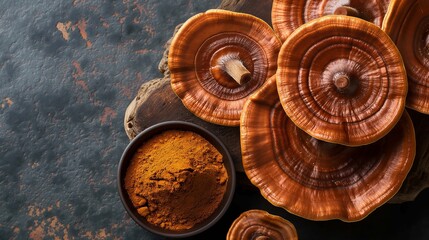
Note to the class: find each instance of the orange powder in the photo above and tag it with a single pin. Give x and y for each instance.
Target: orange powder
(176, 179)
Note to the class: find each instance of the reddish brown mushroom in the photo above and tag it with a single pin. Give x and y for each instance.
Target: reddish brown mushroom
(315, 179)
(407, 23)
(260, 225)
(217, 59)
(288, 15)
(342, 80)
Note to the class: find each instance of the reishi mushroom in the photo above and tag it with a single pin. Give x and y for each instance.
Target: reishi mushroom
(314, 179)
(288, 15)
(260, 225)
(217, 59)
(342, 80)
(407, 23)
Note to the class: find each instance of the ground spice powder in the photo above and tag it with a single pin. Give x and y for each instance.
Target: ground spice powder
(176, 179)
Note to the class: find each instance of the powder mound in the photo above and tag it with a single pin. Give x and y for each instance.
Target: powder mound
(176, 180)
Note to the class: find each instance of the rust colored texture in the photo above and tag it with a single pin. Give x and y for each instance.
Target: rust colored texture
(342, 80)
(407, 23)
(288, 15)
(201, 52)
(259, 224)
(315, 179)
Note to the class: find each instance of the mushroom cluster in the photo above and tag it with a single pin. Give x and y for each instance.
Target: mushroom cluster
(323, 126)
(328, 136)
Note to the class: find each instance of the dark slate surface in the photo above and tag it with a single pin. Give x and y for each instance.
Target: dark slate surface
(68, 70)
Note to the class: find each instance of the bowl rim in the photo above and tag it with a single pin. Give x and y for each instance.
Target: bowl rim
(183, 126)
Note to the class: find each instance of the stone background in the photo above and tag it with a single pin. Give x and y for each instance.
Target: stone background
(68, 70)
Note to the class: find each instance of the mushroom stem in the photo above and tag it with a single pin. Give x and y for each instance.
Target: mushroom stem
(342, 82)
(237, 71)
(348, 11)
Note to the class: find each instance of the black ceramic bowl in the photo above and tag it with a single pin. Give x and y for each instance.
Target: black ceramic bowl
(149, 133)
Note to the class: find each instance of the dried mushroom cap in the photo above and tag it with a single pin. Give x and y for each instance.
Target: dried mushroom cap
(217, 59)
(288, 15)
(407, 23)
(260, 225)
(342, 80)
(315, 179)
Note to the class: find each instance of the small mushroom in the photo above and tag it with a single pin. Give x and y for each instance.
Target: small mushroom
(342, 80)
(260, 225)
(217, 59)
(314, 179)
(288, 15)
(407, 23)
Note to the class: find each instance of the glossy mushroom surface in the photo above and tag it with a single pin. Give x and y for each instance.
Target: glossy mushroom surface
(217, 59)
(407, 23)
(315, 179)
(342, 80)
(288, 15)
(260, 225)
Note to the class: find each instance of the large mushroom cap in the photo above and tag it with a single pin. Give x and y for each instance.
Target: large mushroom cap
(407, 23)
(342, 80)
(288, 15)
(314, 179)
(260, 225)
(211, 53)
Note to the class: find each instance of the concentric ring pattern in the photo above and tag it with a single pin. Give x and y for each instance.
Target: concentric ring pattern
(198, 51)
(288, 15)
(407, 23)
(258, 224)
(342, 80)
(315, 179)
